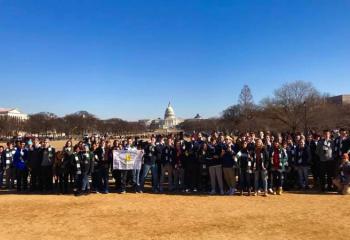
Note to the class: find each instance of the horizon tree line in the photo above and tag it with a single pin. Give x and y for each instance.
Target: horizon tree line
(294, 107)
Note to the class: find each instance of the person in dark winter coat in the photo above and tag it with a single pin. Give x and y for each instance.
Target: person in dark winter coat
(2, 165)
(205, 156)
(229, 165)
(191, 166)
(20, 160)
(76, 160)
(279, 162)
(215, 166)
(87, 165)
(261, 164)
(245, 163)
(10, 170)
(103, 166)
(302, 164)
(34, 164)
(178, 170)
(150, 164)
(47, 158)
(95, 175)
(168, 161)
(342, 181)
(325, 151)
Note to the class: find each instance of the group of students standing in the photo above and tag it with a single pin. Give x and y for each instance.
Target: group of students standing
(214, 164)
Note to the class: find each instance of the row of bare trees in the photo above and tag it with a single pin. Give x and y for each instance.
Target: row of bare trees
(78, 123)
(294, 107)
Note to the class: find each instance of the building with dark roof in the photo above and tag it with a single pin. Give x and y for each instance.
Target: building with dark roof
(340, 99)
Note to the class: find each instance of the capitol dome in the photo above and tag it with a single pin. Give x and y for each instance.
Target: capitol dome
(169, 112)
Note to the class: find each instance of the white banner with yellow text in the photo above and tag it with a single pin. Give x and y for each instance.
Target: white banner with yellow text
(127, 159)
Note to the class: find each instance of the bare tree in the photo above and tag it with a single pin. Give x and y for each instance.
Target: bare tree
(246, 99)
(10, 126)
(81, 122)
(42, 123)
(293, 104)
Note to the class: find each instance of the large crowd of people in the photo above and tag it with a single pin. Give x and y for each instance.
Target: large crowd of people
(250, 164)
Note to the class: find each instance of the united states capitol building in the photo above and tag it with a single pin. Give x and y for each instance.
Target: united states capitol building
(170, 120)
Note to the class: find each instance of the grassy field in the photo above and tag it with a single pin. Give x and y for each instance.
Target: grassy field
(56, 144)
(146, 216)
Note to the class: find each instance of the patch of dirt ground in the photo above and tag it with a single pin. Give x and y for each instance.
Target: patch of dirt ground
(147, 216)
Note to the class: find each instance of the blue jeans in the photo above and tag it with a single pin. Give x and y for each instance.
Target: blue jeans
(263, 175)
(136, 178)
(154, 170)
(77, 183)
(85, 182)
(303, 176)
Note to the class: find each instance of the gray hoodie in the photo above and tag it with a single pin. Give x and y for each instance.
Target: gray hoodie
(325, 149)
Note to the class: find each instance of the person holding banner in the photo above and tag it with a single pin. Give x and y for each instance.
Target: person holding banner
(115, 172)
(127, 160)
(167, 161)
(135, 174)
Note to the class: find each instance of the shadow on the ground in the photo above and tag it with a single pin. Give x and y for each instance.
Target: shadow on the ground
(113, 190)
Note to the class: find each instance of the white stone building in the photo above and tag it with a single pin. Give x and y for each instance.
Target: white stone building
(13, 113)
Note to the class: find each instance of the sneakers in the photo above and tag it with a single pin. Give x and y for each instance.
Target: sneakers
(270, 191)
(213, 192)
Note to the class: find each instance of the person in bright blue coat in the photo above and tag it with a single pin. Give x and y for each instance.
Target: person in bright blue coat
(20, 163)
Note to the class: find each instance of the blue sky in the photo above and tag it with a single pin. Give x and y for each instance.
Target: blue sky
(129, 58)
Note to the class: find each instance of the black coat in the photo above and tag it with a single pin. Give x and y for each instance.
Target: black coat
(168, 155)
(264, 162)
(34, 158)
